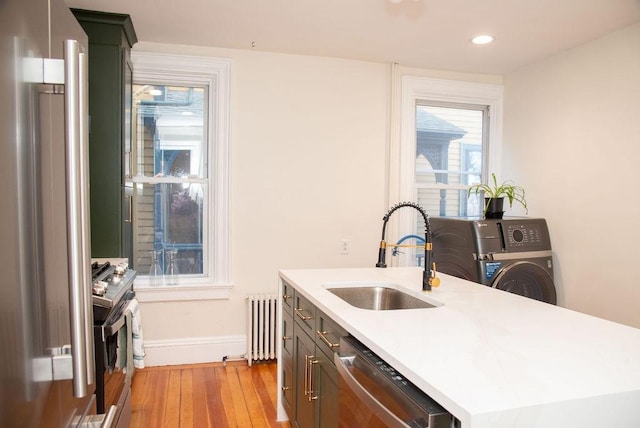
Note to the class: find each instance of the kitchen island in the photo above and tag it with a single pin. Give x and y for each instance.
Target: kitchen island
(491, 358)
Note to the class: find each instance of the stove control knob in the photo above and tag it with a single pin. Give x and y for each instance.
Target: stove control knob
(121, 269)
(100, 288)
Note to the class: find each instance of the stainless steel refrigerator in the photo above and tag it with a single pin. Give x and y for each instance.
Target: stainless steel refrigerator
(46, 335)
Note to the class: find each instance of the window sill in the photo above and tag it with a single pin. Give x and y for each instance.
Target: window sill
(182, 292)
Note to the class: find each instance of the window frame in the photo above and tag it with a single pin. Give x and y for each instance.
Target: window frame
(214, 73)
(414, 90)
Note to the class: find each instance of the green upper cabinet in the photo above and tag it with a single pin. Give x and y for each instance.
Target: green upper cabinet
(111, 37)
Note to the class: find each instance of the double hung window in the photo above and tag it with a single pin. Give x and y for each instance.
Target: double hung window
(179, 162)
(449, 139)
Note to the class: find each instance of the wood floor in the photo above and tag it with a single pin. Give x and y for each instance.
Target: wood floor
(205, 395)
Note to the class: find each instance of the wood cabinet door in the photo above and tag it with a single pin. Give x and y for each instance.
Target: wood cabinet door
(286, 364)
(327, 391)
(303, 353)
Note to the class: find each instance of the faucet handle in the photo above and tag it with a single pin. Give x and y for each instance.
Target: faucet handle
(433, 280)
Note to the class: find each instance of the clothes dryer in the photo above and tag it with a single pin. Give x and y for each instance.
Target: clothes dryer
(511, 254)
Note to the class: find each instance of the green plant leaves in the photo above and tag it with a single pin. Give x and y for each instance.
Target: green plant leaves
(507, 189)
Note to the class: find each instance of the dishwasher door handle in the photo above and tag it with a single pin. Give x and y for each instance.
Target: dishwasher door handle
(110, 417)
(378, 409)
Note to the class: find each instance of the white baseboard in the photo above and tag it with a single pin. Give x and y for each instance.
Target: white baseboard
(193, 350)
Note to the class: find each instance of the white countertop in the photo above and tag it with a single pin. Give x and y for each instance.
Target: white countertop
(492, 358)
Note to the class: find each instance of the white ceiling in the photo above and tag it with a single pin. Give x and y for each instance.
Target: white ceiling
(430, 34)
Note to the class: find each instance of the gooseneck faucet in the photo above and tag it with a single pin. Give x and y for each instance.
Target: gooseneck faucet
(428, 276)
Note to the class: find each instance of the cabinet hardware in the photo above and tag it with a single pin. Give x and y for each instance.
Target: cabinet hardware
(311, 363)
(286, 388)
(285, 338)
(298, 312)
(326, 341)
(285, 297)
(306, 374)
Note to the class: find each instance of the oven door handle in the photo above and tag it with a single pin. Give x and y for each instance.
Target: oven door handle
(123, 321)
(383, 413)
(114, 327)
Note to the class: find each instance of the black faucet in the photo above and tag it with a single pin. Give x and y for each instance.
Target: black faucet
(428, 277)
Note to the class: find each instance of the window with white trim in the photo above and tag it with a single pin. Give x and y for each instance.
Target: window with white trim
(449, 140)
(179, 177)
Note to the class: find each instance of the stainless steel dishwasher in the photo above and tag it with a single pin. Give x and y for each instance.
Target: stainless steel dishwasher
(374, 394)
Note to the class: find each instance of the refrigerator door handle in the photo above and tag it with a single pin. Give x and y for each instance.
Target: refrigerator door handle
(85, 214)
(78, 264)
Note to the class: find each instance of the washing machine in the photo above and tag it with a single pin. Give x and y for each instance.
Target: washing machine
(511, 254)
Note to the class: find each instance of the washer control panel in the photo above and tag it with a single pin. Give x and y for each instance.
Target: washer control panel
(511, 235)
(525, 235)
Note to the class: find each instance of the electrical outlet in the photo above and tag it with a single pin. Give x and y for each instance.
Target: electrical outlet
(345, 246)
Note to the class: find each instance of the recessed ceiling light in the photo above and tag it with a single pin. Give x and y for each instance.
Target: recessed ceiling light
(482, 39)
(155, 92)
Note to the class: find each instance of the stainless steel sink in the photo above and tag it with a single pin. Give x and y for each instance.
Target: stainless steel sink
(379, 298)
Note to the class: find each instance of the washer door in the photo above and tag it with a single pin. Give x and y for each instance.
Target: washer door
(526, 279)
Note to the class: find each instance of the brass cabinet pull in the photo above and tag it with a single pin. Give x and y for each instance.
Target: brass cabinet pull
(311, 363)
(286, 296)
(285, 338)
(298, 312)
(306, 374)
(326, 341)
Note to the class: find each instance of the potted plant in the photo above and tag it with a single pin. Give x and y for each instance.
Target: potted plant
(494, 196)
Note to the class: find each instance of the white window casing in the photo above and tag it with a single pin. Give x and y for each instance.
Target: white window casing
(213, 73)
(413, 90)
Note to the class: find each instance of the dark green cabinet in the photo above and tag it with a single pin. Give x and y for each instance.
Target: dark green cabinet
(309, 375)
(111, 37)
(305, 397)
(287, 362)
(327, 387)
(328, 335)
(286, 354)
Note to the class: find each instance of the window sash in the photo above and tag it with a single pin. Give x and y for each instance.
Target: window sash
(213, 73)
(448, 134)
(413, 91)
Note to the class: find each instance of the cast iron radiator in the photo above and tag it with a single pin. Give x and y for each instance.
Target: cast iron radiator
(261, 327)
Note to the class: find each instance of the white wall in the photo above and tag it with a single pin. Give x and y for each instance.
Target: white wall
(572, 139)
(308, 139)
(309, 160)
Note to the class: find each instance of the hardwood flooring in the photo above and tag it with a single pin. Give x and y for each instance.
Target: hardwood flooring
(205, 395)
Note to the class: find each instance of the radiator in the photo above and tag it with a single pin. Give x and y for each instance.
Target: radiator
(261, 327)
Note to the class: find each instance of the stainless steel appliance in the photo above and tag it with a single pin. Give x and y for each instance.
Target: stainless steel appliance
(112, 292)
(46, 326)
(373, 394)
(510, 254)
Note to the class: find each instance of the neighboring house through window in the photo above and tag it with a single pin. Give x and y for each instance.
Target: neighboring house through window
(180, 176)
(449, 140)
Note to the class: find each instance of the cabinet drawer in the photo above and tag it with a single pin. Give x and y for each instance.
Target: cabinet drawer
(328, 334)
(287, 298)
(304, 313)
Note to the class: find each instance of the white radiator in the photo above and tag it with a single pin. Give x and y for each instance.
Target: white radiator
(261, 327)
